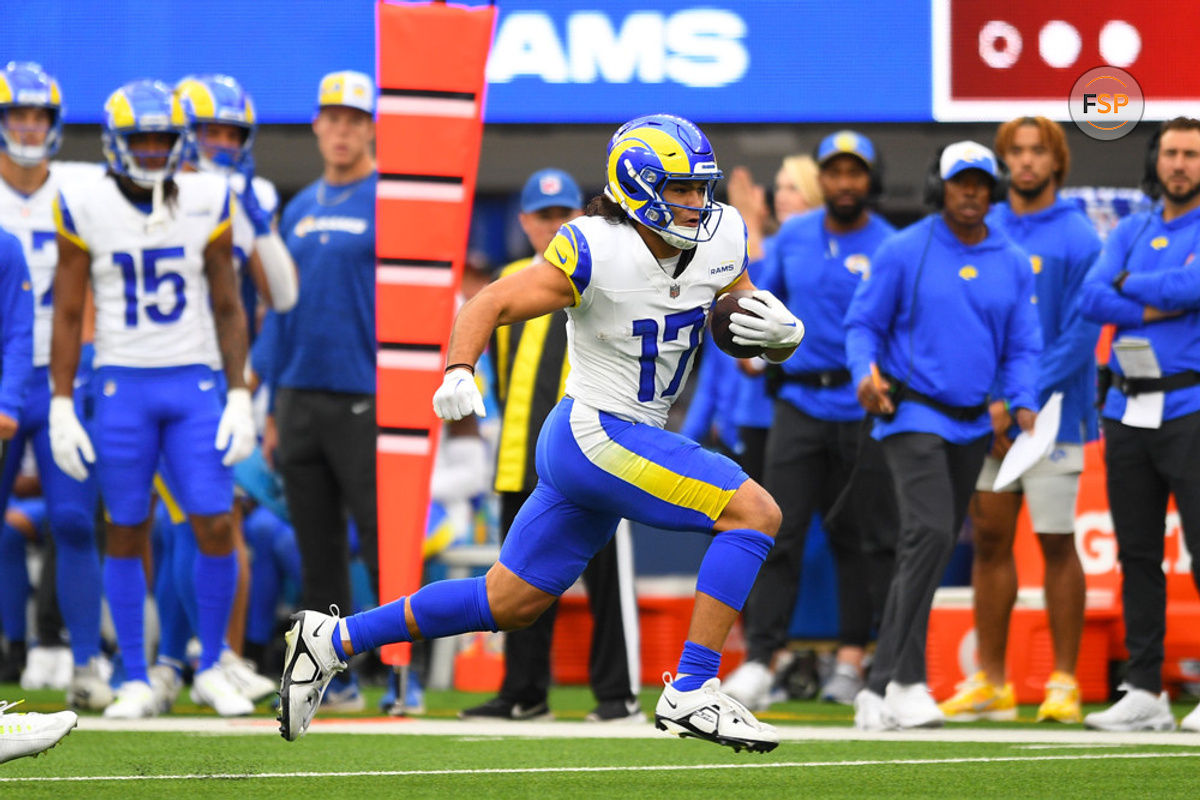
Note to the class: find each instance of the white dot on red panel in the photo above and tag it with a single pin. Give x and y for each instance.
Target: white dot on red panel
(1059, 44)
(1120, 43)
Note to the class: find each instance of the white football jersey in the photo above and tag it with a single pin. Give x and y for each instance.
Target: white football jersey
(243, 229)
(634, 329)
(151, 293)
(31, 220)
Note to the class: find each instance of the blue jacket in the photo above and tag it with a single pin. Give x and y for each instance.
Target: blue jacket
(950, 320)
(16, 326)
(1062, 245)
(815, 273)
(1163, 273)
(327, 341)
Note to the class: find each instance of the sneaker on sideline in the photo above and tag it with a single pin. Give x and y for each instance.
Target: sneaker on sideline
(166, 683)
(978, 698)
(871, 712)
(912, 705)
(1192, 721)
(89, 687)
(1138, 710)
(245, 678)
(343, 695)
(750, 685)
(710, 714)
(843, 685)
(1062, 703)
(30, 734)
(414, 696)
(308, 666)
(135, 700)
(617, 711)
(212, 688)
(39, 669)
(499, 708)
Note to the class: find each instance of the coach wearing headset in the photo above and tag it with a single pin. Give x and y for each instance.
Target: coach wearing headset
(817, 262)
(1147, 282)
(946, 315)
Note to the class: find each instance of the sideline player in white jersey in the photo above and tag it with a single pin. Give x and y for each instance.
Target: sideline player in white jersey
(637, 277)
(221, 124)
(31, 123)
(157, 248)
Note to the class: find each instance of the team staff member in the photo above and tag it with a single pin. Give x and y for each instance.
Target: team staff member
(815, 264)
(946, 314)
(531, 366)
(638, 274)
(324, 359)
(1146, 282)
(1062, 245)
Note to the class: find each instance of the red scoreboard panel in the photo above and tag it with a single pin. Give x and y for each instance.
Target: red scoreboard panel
(996, 61)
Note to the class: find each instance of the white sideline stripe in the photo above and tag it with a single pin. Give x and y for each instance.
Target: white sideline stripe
(402, 445)
(420, 190)
(426, 106)
(879, 762)
(414, 276)
(415, 726)
(410, 359)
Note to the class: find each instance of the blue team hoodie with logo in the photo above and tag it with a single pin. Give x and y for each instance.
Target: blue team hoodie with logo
(950, 320)
(1062, 245)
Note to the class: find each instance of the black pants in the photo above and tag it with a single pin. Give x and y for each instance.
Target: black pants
(527, 651)
(326, 456)
(1144, 468)
(934, 481)
(754, 451)
(808, 463)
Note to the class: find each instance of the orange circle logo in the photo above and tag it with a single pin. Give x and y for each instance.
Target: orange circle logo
(1106, 103)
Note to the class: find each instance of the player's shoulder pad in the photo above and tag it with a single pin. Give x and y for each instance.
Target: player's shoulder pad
(571, 252)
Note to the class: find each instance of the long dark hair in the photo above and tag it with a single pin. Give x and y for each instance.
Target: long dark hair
(608, 210)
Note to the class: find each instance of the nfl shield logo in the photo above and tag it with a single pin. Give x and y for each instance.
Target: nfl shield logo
(674, 290)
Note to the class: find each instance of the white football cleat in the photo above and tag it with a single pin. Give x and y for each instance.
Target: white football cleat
(750, 685)
(871, 712)
(1138, 710)
(166, 683)
(308, 666)
(1192, 721)
(211, 688)
(135, 700)
(913, 706)
(708, 713)
(41, 669)
(241, 673)
(89, 687)
(32, 733)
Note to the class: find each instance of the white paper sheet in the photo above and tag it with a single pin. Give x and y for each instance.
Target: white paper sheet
(1028, 449)
(1136, 357)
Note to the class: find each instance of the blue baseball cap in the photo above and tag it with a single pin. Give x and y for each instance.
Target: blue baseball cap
(550, 187)
(849, 143)
(962, 156)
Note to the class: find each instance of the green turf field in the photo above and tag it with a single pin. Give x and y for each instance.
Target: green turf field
(817, 759)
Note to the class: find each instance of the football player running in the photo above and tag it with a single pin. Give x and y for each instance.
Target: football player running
(637, 276)
(157, 249)
(31, 123)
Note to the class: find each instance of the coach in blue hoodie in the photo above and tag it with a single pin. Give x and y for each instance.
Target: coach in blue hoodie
(946, 315)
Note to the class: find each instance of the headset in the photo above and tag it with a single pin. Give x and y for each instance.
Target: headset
(1151, 186)
(934, 193)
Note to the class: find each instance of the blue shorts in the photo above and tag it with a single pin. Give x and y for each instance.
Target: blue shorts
(595, 469)
(168, 412)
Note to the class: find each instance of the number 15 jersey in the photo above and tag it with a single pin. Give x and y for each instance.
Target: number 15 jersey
(634, 328)
(151, 292)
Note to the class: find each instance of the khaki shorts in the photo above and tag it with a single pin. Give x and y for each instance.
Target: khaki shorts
(1050, 487)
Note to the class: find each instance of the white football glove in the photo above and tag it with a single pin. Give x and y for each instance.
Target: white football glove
(236, 435)
(69, 442)
(458, 396)
(461, 469)
(774, 328)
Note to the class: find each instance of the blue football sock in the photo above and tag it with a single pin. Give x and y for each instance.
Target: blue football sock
(184, 551)
(77, 581)
(215, 582)
(174, 628)
(731, 564)
(259, 529)
(441, 609)
(14, 583)
(125, 588)
(697, 665)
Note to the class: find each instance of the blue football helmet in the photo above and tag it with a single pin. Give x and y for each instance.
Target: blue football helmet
(26, 84)
(647, 153)
(143, 106)
(216, 99)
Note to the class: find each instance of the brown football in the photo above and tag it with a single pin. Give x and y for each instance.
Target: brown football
(718, 324)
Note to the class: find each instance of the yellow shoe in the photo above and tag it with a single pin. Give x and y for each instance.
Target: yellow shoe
(1062, 699)
(976, 698)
